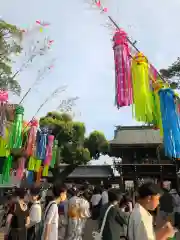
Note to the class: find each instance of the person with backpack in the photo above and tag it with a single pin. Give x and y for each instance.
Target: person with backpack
(112, 219)
(51, 215)
(35, 213)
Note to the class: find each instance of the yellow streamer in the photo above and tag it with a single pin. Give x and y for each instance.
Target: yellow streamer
(37, 165)
(143, 99)
(4, 151)
(31, 163)
(45, 171)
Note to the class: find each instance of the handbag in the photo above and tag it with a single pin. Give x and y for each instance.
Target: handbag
(98, 235)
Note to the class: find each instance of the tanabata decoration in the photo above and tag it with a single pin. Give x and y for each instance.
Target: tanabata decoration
(36, 161)
(21, 167)
(31, 139)
(122, 69)
(143, 99)
(157, 122)
(15, 136)
(14, 141)
(3, 107)
(39, 174)
(54, 155)
(7, 169)
(3, 126)
(99, 5)
(41, 143)
(49, 154)
(154, 102)
(171, 123)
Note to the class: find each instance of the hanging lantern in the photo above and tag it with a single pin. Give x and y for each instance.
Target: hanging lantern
(122, 61)
(142, 93)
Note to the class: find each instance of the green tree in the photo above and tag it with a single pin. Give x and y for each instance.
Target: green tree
(172, 74)
(73, 147)
(10, 37)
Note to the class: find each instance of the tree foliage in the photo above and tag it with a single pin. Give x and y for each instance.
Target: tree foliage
(172, 74)
(74, 148)
(10, 37)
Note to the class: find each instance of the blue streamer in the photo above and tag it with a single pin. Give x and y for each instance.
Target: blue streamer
(42, 138)
(171, 123)
(30, 177)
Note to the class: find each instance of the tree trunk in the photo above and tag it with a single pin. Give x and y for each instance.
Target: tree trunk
(60, 177)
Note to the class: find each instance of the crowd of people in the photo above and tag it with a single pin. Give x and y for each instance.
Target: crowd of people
(67, 213)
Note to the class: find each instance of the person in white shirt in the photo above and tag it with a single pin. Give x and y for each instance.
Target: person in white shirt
(35, 213)
(51, 216)
(105, 199)
(140, 226)
(96, 197)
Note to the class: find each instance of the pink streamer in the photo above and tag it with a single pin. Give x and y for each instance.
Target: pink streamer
(124, 93)
(32, 138)
(153, 72)
(49, 152)
(20, 170)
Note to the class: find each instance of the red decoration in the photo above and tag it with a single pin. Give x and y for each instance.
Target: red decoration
(38, 22)
(98, 3)
(51, 41)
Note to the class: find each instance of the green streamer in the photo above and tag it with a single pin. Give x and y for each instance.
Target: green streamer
(15, 138)
(54, 154)
(6, 169)
(157, 112)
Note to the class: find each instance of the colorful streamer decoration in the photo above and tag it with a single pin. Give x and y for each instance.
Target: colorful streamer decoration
(31, 141)
(49, 154)
(21, 168)
(143, 100)
(171, 123)
(54, 155)
(41, 143)
(3, 107)
(122, 69)
(137, 83)
(15, 137)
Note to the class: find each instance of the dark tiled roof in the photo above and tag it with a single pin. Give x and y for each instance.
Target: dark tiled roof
(136, 135)
(90, 171)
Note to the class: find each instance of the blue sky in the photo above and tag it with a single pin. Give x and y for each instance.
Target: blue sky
(83, 49)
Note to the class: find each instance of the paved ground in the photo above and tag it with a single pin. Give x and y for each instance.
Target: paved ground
(91, 226)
